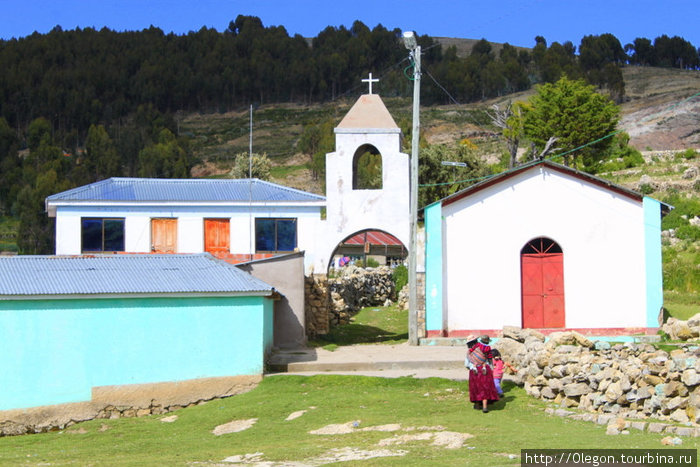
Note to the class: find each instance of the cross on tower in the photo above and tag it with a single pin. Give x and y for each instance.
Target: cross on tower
(370, 81)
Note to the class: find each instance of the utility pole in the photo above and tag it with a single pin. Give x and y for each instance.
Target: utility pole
(409, 38)
(251, 227)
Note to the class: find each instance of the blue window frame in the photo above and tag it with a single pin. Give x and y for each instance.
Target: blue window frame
(102, 235)
(273, 235)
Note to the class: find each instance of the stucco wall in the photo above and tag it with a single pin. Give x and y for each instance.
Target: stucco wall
(59, 350)
(286, 275)
(600, 232)
(190, 234)
(350, 211)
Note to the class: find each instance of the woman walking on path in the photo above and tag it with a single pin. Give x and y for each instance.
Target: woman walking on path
(479, 361)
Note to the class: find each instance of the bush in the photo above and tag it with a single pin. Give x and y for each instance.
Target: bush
(688, 232)
(684, 209)
(371, 263)
(400, 276)
(689, 154)
(646, 189)
(681, 271)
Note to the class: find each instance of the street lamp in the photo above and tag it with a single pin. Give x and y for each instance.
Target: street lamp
(409, 39)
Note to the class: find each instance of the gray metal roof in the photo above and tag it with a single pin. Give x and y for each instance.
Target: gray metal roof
(196, 189)
(124, 274)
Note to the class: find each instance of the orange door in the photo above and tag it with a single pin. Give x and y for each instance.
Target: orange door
(164, 235)
(216, 236)
(542, 277)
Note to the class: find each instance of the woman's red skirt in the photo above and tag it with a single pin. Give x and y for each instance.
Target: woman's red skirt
(481, 385)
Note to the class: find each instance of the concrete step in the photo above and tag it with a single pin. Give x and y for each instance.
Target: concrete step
(449, 341)
(297, 367)
(368, 358)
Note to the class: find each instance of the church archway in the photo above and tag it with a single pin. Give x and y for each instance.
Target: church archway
(542, 284)
(367, 168)
(369, 246)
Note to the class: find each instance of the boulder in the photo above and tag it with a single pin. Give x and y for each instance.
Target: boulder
(690, 377)
(576, 389)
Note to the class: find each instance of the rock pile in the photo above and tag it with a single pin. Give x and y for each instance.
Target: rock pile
(625, 380)
(678, 329)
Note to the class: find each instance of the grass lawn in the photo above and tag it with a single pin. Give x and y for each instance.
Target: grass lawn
(371, 325)
(418, 408)
(682, 305)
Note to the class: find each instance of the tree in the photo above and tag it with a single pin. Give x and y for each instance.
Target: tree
(316, 141)
(10, 167)
(101, 157)
(642, 52)
(576, 115)
(440, 180)
(510, 120)
(169, 158)
(260, 166)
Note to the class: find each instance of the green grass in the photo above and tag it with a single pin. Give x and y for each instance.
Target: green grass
(681, 305)
(516, 422)
(281, 172)
(371, 325)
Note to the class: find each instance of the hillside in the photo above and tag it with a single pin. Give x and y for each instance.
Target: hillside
(656, 114)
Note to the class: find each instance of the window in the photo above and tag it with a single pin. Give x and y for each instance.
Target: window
(102, 234)
(275, 234)
(367, 168)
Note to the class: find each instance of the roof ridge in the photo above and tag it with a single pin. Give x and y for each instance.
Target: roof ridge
(82, 188)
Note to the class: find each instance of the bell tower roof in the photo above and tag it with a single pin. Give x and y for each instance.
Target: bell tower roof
(369, 112)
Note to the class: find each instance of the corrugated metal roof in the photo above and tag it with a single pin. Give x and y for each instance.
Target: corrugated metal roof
(124, 274)
(162, 189)
(373, 237)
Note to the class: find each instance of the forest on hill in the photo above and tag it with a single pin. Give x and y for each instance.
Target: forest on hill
(83, 105)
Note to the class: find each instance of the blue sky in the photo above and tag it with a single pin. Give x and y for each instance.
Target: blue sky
(513, 21)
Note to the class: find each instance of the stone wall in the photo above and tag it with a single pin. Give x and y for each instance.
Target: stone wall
(316, 304)
(332, 302)
(131, 400)
(624, 380)
(356, 288)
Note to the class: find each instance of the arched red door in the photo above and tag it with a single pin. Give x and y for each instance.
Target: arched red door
(542, 278)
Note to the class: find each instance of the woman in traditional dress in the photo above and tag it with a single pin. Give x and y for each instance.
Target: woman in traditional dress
(481, 387)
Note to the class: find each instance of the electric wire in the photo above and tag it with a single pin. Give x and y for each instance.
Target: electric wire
(555, 156)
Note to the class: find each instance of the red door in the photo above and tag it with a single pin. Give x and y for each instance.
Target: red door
(542, 269)
(216, 236)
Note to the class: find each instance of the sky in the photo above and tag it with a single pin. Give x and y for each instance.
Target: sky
(514, 21)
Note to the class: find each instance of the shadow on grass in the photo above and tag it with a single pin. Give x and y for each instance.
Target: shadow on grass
(349, 334)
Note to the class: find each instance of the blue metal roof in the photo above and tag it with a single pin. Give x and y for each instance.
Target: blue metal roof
(163, 189)
(124, 274)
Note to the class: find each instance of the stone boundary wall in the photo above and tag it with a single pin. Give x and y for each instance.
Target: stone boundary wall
(623, 381)
(332, 302)
(133, 400)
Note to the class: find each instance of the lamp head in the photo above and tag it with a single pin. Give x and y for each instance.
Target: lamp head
(409, 40)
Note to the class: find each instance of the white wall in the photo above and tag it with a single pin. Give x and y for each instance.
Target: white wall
(600, 233)
(68, 234)
(350, 211)
(190, 225)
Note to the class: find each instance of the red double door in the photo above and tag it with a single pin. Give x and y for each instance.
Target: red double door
(542, 269)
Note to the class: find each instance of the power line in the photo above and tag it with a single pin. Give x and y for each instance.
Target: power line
(610, 135)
